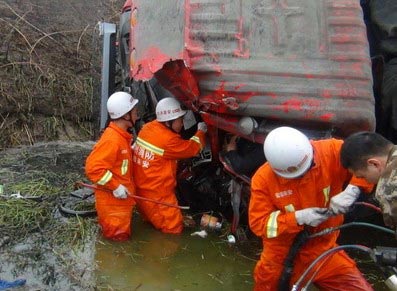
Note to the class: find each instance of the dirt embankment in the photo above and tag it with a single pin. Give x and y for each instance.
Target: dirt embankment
(50, 69)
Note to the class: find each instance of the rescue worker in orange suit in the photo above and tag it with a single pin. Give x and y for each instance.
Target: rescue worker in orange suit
(156, 152)
(303, 186)
(109, 166)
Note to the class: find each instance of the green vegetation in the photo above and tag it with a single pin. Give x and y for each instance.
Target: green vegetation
(36, 211)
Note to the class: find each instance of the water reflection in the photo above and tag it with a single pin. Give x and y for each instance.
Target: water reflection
(152, 260)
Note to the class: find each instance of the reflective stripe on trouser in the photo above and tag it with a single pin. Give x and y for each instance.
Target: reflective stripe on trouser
(114, 216)
(339, 272)
(166, 219)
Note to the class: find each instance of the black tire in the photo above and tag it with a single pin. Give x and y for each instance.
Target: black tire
(75, 206)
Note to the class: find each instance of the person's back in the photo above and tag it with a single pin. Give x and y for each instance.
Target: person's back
(243, 156)
(156, 152)
(109, 166)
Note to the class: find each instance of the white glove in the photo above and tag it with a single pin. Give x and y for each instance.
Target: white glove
(341, 202)
(120, 192)
(311, 216)
(202, 126)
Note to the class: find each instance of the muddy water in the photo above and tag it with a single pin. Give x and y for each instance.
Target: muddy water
(152, 260)
(155, 261)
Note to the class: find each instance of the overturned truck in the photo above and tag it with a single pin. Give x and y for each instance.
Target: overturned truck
(243, 67)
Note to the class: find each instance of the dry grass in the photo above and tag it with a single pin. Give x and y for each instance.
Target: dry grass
(50, 69)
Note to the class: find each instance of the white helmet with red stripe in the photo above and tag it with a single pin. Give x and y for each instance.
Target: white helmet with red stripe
(288, 151)
(169, 109)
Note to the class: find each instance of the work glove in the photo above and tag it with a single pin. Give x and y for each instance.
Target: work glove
(121, 192)
(340, 203)
(202, 126)
(311, 216)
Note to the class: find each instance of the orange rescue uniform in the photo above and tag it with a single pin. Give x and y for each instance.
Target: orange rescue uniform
(109, 165)
(156, 152)
(271, 217)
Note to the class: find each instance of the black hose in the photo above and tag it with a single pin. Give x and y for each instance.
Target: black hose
(299, 241)
(302, 238)
(349, 224)
(296, 286)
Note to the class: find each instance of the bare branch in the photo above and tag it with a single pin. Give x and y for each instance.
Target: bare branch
(78, 43)
(27, 22)
(49, 36)
(20, 32)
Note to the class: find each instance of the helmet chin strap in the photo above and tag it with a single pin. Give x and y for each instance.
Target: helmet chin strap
(312, 164)
(130, 128)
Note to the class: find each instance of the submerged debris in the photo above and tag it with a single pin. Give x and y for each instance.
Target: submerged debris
(201, 233)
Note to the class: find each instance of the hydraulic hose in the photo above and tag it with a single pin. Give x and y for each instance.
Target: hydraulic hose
(296, 286)
(369, 205)
(303, 237)
(299, 241)
(331, 229)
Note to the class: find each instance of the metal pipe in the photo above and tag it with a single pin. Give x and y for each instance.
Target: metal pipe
(134, 196)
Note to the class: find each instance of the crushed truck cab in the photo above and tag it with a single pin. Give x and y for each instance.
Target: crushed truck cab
(304, 63)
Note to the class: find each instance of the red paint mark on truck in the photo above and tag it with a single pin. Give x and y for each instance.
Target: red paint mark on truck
(150, 62)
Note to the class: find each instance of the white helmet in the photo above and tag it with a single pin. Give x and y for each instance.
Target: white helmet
(169, 109)
(247, 125)
(288, 152)
(120, 103)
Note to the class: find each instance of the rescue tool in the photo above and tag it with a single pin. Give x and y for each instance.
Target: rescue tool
(134, 196)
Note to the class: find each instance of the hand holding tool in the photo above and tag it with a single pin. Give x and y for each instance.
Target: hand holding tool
(133, 196)
(311, 216)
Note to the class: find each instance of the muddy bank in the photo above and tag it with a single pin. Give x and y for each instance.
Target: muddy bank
(50, 251)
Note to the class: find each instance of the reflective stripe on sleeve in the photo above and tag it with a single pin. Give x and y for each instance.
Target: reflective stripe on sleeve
(196, 139)
(149, 147)
(105, 178)
(326, 195)
(289, 208)
(271, 227)
(124, 167)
